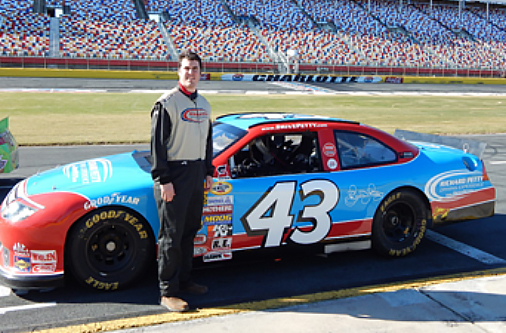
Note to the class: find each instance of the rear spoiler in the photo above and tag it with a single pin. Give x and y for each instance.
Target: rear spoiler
(467, 145)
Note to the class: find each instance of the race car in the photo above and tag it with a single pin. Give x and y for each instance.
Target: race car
(282, 181)
(9, 159)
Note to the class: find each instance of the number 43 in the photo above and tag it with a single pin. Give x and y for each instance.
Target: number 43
(270, 215)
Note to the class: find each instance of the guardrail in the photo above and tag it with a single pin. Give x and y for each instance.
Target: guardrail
(240, 67)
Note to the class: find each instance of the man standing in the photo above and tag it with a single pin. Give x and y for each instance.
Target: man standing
(181, 152)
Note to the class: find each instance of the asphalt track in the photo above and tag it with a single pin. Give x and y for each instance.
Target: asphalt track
(35, 159)
(114, 85)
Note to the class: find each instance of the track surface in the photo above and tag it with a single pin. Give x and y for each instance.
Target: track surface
(258, 279)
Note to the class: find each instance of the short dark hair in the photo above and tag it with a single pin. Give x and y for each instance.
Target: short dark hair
(190, 56)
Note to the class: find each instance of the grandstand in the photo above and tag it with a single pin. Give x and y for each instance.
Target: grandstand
(351, 36)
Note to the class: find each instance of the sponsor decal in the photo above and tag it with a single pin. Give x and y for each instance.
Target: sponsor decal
(92, 171)
(220, 200)
(21, 258)
(332, 164)
(219, 230)
(43, 257)
(205, 77)
(199, 239)
(364, 196)
(221, 244)
(298, 126)
(224, 209)
(237, 77)
(217, 256)
(114, 198)
(194, 115)
(44, 268)
(19, 248)
(222, 171)
(329, 149)
(302, 78)
(199, 250)
(217, 219)
(453, 184)
(22, 263)
(221, 188)
(440, 213)
(394, 80)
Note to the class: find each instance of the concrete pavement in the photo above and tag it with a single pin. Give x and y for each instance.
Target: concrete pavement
(474, 302)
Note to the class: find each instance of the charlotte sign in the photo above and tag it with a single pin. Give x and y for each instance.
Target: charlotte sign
(300, 78)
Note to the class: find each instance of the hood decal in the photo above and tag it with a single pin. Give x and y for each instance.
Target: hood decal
(91, 171)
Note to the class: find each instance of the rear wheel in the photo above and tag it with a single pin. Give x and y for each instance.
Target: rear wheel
(110, 248)
(399, 223)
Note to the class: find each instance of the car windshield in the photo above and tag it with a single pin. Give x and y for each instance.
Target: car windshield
(225, 135)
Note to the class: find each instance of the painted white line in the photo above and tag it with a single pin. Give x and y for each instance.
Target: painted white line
(308, 91)
(464, 249)
(497, 162)
(25, 307)
(4, 291)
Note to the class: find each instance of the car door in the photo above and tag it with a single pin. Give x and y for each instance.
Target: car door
(287, 189)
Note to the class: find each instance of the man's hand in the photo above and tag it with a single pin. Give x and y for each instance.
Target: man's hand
(209, 183)
(167, 191)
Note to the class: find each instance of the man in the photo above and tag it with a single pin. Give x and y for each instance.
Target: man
(181, 152)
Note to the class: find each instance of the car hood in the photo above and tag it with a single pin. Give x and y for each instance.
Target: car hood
(94, 176)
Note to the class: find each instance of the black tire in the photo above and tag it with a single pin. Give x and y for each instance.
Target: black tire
(110, 248)
(399, 223)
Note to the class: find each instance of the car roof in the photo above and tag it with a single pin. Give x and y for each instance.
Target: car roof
(248, 120)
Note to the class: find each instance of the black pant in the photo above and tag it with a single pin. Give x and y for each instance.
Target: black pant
(180, 219)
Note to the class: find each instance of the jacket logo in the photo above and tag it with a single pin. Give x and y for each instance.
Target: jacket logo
(194, 115)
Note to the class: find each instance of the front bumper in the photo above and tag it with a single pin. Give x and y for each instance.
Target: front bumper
(25, 281)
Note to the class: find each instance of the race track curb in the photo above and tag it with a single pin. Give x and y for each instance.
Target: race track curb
(170, 317)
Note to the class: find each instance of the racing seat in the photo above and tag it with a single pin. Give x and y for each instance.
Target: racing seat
(301, 156)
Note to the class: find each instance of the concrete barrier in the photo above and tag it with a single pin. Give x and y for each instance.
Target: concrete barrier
(163, 75)
(453, 80)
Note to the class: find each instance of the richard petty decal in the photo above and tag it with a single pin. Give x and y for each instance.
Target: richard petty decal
(270, 215)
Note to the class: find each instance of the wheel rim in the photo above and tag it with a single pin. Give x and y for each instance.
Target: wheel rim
(110, 248)
(399, 223)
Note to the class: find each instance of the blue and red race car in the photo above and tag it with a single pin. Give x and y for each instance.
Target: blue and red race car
(281, 181)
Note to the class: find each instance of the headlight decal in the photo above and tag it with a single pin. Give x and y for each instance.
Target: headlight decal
(17, 211)
(17, 206)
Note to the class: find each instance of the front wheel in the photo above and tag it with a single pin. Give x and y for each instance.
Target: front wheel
(110, 248)
(399, 223)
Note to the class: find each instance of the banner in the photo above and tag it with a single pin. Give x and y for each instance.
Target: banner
(301, 78)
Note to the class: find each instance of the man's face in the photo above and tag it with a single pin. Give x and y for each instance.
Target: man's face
(189, 74)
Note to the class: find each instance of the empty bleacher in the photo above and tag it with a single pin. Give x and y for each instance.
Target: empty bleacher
(24, 35)
(136, 39)
(381, 33)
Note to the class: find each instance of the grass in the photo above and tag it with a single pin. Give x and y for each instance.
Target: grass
(96, 118)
